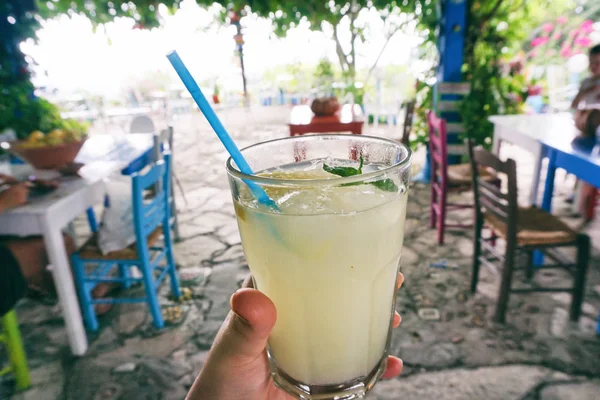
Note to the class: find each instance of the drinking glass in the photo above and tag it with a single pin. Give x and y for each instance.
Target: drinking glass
(327, 255)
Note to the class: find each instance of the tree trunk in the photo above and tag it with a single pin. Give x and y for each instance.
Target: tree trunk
(354, 8)
(339, 50)
(387, 41)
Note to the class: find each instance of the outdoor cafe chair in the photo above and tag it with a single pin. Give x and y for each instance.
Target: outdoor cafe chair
(162, 142)
(446, 178)
(141, 124)
(408, 121)
(525, 230)
(154, 259)
(17, 361)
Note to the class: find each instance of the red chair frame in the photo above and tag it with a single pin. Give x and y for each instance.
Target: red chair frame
(438, 150)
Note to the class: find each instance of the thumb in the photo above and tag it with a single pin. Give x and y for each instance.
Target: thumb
(250, 325)
(238, 349)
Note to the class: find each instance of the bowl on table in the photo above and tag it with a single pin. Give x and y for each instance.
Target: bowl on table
(47, 156)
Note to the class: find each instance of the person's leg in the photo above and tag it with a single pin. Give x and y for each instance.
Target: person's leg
(13, 285)
(32, 259)
(31, 256)
(580, 118)
(592, 123)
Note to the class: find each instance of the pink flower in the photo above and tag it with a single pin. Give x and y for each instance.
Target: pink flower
(538, 41)
(583, 41)
(561, 20)
(547, 27)
(534, 90)
(556, 36)
(565, 51)
(550, 52)
(532, 54)
(586, 26)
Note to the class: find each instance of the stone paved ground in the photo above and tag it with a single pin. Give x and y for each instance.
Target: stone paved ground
(463, 355)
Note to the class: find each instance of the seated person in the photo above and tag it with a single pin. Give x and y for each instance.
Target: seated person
(23, 261)
(587, 101)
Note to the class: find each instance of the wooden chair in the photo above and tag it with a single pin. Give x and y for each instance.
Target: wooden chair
(151, 219)
(524, 230)
(446, 178)
(408, 122)
(162, 142)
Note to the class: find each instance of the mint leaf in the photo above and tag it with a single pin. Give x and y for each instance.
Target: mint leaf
(344, 171)
(387, 185)
(341, 171)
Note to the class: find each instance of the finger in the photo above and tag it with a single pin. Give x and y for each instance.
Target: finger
(394, 367)
(249, 325)
(400, 280)
(397, 319)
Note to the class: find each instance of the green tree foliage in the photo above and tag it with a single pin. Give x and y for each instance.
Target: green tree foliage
(497, 28)
(336, 15)
(20, 109)
(324, 76)
(496, 32)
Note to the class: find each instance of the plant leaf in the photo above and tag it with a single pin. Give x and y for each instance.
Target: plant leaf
(387, 185)
(344, 171)
(341, 171)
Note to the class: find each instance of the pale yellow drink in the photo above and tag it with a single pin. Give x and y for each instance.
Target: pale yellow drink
(329, 262)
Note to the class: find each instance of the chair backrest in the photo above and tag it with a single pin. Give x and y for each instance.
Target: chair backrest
(163, 143)
(142, 124)
(408, 122)
(438, 149)
(489, 198)
(149, 214)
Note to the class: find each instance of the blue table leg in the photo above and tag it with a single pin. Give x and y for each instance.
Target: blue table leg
(425, 175)
(549, 185)
(538, 257)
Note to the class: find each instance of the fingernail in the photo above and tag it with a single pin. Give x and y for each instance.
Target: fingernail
(231, 300)
(232, 310)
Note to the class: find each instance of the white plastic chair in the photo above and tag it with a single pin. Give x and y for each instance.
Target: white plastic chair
(142, 124)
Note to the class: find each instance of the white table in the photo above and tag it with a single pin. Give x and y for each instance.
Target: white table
(528, 132)
(103, 156)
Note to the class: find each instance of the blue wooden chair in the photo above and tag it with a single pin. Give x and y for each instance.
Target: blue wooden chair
(162, 142)
(151, 220)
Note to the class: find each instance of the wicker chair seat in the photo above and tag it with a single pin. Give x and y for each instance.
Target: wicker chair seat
(461, 175)
(91, 250)
(535, 227)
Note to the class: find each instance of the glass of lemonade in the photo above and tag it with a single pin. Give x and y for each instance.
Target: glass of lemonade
(327, 255)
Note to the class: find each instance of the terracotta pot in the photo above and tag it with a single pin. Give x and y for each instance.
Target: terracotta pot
(47, 157)
(325, 106)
